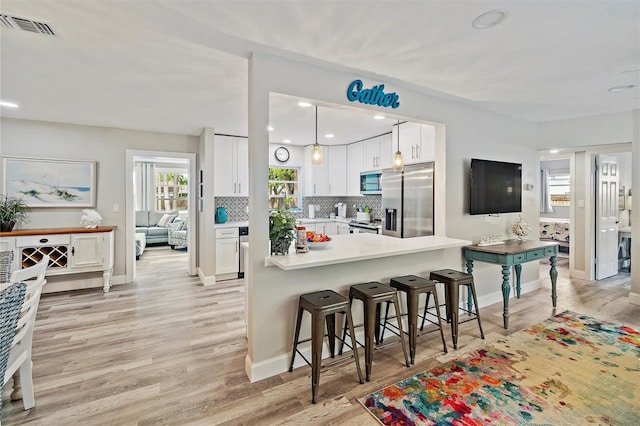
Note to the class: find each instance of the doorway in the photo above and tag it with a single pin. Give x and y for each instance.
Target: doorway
(188, 162)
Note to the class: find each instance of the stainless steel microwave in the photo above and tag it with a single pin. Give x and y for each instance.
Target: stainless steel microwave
(370, 183)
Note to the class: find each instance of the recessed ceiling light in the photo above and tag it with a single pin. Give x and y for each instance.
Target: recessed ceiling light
(489, 19)
(286, 140)
(304, 104)
(329, 135)
(8, 104)
(621, 88)
(554, 151)
(378, 117)
(270, 129)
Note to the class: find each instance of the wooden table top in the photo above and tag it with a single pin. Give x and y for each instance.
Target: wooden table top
(53, 231)
(512, 246)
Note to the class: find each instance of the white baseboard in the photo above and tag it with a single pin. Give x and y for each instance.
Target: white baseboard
(634, 298)
(206, 280)
(257, 371)
(496, 297)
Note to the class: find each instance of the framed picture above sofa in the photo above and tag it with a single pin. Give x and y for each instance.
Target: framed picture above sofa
(47, 182)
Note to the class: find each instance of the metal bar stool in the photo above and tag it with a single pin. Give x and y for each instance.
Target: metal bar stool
(372, 294)
(323, 306)
(453, 280)
(413, 286)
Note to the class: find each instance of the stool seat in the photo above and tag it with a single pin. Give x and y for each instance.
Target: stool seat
(372, 294)
(322, 305)
(324, 301)
(452, 280)
(413, 286)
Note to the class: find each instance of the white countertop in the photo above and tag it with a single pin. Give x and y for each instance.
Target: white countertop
(355, 247)
(231, 224)
(325, 219)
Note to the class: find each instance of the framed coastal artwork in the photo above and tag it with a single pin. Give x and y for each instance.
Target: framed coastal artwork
(46, 182)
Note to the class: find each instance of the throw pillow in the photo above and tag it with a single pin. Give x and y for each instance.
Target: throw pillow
(176, 225)
(165, 220)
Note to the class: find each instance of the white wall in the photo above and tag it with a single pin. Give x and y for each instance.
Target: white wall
(106, 146)
(469, 133)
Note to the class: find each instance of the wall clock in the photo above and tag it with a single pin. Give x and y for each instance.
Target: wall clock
(282, 154)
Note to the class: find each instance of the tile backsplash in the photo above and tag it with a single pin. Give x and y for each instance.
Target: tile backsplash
(327, 205)
(237, 206)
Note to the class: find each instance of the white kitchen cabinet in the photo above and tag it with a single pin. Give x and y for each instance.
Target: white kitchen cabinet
(343, 228)
(70, 250)
(227, 251)
(338, 170)
(378, 153)
(417, 142)
(330, 228)
(355, 164)
(231, 167)
(329, 177)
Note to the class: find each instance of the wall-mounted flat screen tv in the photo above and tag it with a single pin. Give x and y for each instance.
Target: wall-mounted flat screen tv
(496, 187)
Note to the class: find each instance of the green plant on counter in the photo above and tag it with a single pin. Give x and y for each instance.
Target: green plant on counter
(282, 227)
(13, 211)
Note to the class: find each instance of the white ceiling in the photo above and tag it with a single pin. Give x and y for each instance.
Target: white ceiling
(178, 66)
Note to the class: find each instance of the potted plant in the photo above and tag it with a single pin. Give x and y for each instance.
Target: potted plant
(13, 211)
(282, 227)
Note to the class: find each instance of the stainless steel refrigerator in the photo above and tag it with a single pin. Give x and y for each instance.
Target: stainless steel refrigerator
(407, 201)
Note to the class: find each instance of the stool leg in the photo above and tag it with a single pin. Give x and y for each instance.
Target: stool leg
(435, 298)
(344, 329)
(396, 304)
(376, 332)
(295, 339)
(412, 305)
(317, 336)
(424, 314)
(369, 331)
(386, 315)
(475, 303)
(353, 343)
(454, 304)
(331, 333)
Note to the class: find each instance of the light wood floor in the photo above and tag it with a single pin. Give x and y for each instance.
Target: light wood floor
(170, 351)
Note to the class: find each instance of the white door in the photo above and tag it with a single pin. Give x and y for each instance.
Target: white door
(606, 217)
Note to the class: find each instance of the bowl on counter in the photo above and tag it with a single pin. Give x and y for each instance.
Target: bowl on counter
(318, 244)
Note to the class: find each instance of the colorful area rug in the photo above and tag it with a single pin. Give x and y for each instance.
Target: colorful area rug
(568, 370)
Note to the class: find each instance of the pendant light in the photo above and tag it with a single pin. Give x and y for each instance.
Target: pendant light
(398, 165)
(316, 156)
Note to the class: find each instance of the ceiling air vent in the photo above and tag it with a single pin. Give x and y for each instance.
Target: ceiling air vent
(16, 23)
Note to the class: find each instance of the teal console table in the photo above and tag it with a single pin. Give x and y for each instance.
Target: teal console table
(514, 253)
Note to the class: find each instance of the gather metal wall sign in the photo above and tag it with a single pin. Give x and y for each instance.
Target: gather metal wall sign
(373, 96)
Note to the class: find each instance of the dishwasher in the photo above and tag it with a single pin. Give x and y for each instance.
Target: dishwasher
(244, 238)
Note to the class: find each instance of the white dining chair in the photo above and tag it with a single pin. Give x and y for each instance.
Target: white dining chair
(20, 355)
(11, 301)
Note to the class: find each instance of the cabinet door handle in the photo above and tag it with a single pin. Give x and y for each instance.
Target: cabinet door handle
(73, 251)
(417, 151)
(239, 187)
(44, 240)
(314, 188)
(236, 246)
(413, 149)
(329, 188)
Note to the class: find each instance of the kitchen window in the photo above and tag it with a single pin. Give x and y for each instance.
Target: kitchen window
(284, 188)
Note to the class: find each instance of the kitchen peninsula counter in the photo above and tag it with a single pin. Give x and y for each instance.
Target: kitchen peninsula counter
(357, 247)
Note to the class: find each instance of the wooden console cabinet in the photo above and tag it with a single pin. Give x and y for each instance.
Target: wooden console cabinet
(71, 250)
